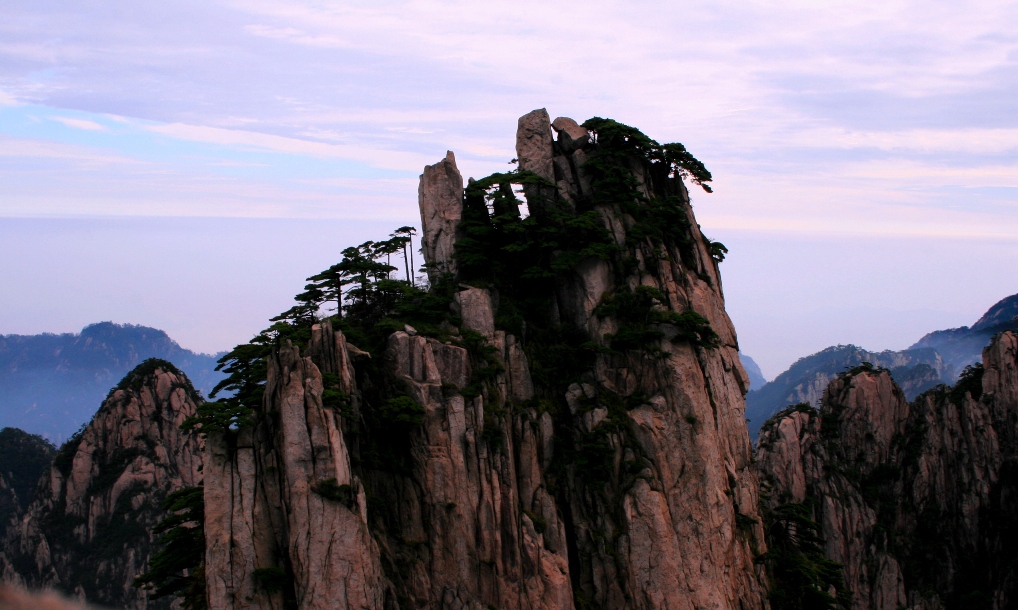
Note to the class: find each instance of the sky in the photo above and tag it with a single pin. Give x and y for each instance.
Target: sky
(185, 165)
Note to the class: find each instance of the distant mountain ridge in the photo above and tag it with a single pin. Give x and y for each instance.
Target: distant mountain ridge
(50, 384)
(957, 345)
(86, 528)
(939, 357)
(756, 377)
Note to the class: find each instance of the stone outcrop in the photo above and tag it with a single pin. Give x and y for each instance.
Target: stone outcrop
(440, 197)
(455, 475)
(916, 500)
(283, 496)
(914, 370)
(88, 530)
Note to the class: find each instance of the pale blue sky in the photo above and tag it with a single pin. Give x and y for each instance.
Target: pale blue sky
(185, 165)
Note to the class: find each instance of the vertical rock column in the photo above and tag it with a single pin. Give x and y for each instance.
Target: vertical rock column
(441, 201)
(282, 496)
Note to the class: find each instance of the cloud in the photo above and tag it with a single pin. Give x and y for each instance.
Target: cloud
(391, 159)
(850, 102)
(79, 123)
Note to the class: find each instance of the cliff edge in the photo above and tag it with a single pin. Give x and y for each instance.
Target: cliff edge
(565, 430)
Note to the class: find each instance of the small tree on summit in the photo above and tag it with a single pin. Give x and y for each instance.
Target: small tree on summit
(403, 238)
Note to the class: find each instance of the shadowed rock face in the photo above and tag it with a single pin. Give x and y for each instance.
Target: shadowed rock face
(918, 500)
(637, 493)
(88, 529)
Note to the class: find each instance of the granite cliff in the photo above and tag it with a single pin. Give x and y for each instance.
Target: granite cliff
(939, 357)
(917, 500)
(566, 431)
(87, 530)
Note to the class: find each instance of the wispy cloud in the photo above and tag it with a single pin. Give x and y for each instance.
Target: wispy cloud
(392, 159)
(79, 123)
(848, 102)
(890, 120)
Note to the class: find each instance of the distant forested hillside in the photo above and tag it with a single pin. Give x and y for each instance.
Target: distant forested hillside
(52, 384)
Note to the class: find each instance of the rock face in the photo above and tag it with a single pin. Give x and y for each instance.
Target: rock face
(440, 198)
(914, 370)
(88, 529)
(23, 459)
(451, 473)
(16, 599)
(918, 501)
(283, 496)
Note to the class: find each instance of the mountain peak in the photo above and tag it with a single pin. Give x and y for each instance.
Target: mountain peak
(89, 528)
(1003, 312)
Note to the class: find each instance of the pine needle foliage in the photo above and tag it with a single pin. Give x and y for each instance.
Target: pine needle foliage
(802, 578)
(177, 568)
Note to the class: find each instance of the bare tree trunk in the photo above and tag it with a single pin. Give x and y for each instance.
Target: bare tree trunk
(406, 265)
(412, 266)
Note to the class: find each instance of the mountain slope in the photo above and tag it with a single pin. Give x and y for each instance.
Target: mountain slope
(50, 384)
(961, 347)
(756, 378)
(918, 501)
(805, 381)
(23, 459)
(88, 529)
(939, 357)
(557, 424)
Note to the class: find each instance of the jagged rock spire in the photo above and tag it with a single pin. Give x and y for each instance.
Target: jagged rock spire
(440, 196)
(534, 145)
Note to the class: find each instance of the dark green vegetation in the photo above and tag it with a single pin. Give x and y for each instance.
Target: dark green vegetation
(801, 577)
(176, 569)
(50, 384)
(969, 382)
(331, 490)
(24, 458)
(371, 304)
(643, 321)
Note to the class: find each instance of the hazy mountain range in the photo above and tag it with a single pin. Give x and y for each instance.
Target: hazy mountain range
(756, 377)
(52, 384)
(939, 357)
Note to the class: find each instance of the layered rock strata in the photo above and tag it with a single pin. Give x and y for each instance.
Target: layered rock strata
(88, 530)
(918, 501)
(631, 487)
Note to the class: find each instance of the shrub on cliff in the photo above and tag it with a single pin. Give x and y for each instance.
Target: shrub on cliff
(177, 568)
(801, 576)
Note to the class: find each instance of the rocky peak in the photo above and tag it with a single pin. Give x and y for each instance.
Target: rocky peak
(534, 144)
(88, 528)
(570, 434)
(915, 500)
(441, 202)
